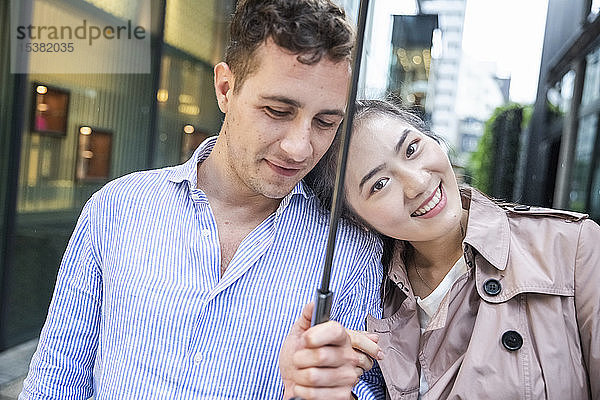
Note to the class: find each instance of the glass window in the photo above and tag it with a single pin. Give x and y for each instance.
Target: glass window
(79, 130)
(595, 194)
(559, 97)
(584, 150)
(93, 155)
(594, 9)
(591, 83)
(193, 26)
(187, 110)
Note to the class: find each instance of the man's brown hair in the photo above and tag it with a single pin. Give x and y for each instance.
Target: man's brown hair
(311, 29)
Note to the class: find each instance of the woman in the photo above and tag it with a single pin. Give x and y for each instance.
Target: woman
(481, 300)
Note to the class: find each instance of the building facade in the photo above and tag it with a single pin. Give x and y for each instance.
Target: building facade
(560, 153)
(62, 136)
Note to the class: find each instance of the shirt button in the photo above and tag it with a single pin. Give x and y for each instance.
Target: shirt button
(195, 196)
(197, 358)
(492, 287)
(205, 233)
(512, 340)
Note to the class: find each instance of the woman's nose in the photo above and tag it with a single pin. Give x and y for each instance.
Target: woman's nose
(414, 181)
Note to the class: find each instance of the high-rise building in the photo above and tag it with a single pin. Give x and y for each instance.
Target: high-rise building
(480, 91)
(440, 104)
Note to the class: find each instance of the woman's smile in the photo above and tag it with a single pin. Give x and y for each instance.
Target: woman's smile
(433, 205)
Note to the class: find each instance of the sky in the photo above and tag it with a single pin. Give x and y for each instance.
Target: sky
(510, 33)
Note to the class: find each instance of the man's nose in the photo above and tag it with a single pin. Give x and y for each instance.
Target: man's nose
(296, 142)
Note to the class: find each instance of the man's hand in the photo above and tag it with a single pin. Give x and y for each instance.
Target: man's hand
(320, 362)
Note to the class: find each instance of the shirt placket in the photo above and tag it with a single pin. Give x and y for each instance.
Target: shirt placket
(205, 253)
(252, 248)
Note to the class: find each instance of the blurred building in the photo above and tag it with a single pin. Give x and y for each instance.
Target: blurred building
(445, 66)
(425, 62)
(62, 136)
(560, 156)
(480, 91)
(412, 40)
(375, 71)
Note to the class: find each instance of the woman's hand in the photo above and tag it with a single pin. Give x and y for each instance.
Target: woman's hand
(366, 347)
(320, 362)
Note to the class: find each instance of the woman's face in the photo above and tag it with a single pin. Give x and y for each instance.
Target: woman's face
(400, 181)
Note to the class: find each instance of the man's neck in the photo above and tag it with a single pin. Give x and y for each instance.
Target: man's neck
(225, 190)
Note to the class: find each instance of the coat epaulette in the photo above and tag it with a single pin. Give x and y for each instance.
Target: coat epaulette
(522, 209)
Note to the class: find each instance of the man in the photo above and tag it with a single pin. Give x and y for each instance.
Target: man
(183, 282)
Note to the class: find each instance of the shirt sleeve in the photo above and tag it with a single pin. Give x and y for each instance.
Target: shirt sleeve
(371, 385)
(587, 300)
(62, 366)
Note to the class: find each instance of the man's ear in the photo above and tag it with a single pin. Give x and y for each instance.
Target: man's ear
(223, 85)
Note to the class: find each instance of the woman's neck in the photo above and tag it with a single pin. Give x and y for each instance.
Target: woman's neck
(431, 260)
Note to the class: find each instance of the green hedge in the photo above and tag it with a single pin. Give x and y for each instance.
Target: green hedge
(492, 167)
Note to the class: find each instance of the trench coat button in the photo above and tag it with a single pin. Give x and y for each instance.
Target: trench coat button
(521, 208)
(492, 287)
(512, 340)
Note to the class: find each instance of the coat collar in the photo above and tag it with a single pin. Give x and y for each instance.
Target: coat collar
(488, 230)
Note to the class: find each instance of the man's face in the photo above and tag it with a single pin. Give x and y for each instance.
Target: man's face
(281, 121)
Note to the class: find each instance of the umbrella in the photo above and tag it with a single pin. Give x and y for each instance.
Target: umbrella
(324, 296)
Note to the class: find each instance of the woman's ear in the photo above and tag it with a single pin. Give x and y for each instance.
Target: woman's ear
(224, 81)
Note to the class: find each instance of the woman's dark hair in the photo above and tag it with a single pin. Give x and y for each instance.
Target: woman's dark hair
(322, 178)
(311, 29)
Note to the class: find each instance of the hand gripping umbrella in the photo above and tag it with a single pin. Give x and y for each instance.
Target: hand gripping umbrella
(324, 296)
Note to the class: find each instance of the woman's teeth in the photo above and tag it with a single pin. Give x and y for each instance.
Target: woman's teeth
(432, 203)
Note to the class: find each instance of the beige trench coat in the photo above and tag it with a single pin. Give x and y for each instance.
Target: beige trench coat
(522, 323)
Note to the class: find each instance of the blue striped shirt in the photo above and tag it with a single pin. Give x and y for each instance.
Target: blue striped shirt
(140, 309)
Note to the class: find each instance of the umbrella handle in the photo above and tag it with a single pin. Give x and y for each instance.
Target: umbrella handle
(322, 310)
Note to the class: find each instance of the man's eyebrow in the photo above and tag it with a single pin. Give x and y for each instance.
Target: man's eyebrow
(401, 140)
(294, 103)
(282, 99)
(339, 113)
(369, 175)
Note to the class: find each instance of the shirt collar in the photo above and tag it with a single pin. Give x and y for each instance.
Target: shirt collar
(188, 172)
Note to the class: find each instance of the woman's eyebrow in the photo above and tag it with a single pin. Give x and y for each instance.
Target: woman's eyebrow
(378, 168)
(405, 133)
(369, 175)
